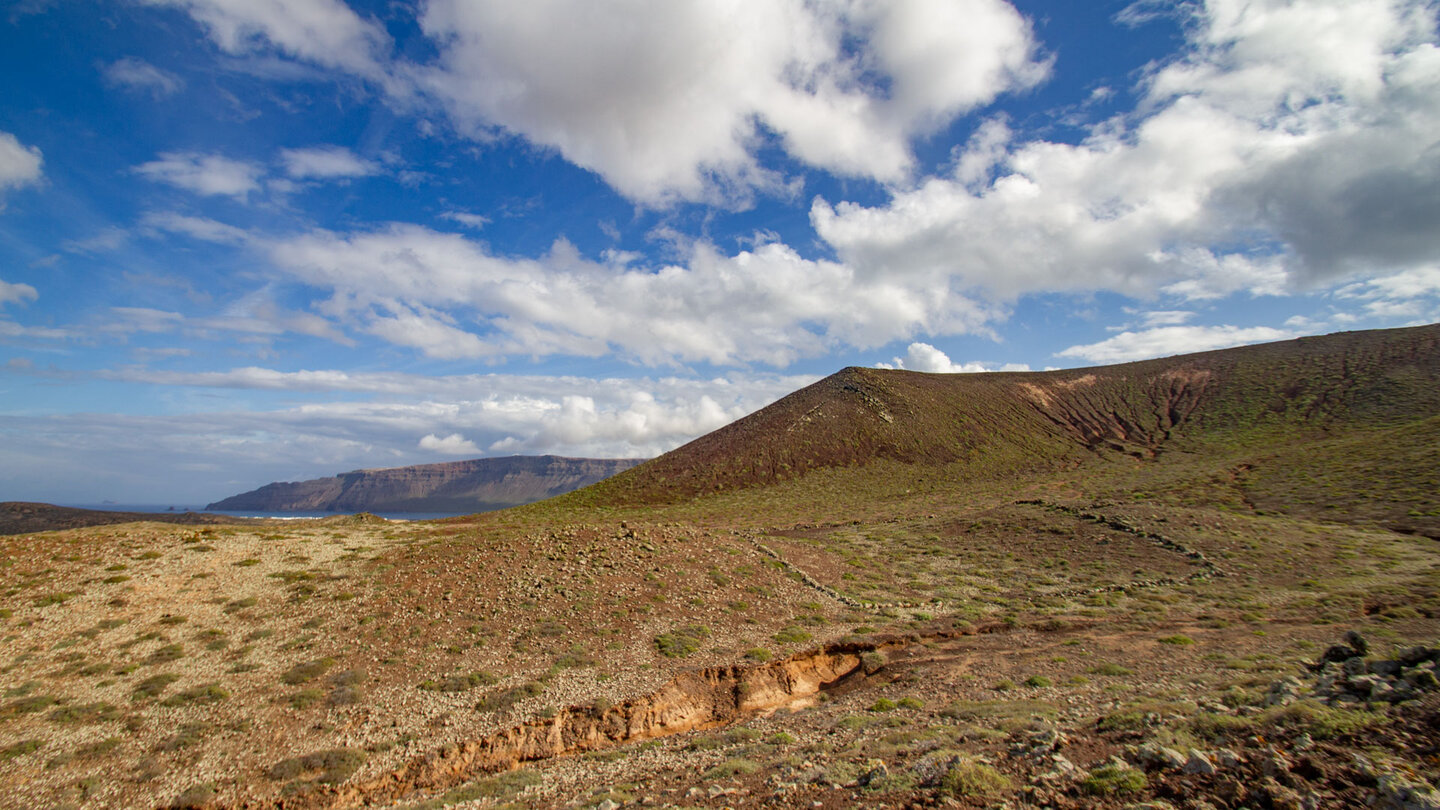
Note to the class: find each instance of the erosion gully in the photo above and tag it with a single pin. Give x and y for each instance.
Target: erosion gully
(695, 700)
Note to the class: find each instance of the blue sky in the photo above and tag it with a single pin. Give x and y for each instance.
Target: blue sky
(254, 240)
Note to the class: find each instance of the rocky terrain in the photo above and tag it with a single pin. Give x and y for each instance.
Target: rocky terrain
(1198, 583)
(478, 485)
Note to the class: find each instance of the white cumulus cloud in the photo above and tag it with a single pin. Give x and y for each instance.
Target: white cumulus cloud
(1289, 145)
(137, 74)
(326, 163)
(326, 32)
(16, 293)
(454, 445)
(449, 297)
(19, 164)
(1165, 341)
(667, 100)
(927, 358)
(211, 175)
(1412, 295)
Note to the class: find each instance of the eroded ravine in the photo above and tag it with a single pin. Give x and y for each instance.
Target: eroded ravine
(692, 700)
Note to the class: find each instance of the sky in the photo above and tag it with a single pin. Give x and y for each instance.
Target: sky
(244, 241)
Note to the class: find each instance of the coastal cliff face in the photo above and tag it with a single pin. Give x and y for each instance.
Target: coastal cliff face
(456, 486)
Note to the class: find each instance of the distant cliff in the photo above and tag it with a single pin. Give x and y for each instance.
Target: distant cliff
(478, 485)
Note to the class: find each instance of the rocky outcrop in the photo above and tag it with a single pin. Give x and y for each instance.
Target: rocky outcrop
(477, 485)
(1347, 674)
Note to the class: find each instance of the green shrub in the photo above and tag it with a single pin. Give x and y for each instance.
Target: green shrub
(682, 641)
(208, 693)
(1113, 779)
(305, 698)
(1219, 728)
(306, 671)
(166, 654)
(508, 697)
(330, 767)
(241, 604)
(459, 683)
(30, 704)
(1177, 640)
(184, 737)
(1323, 722)
(97, 712)
(1038, 681)
(99, 749)
(21, 748)
(967, 777)
(792, 635)
(730, 768)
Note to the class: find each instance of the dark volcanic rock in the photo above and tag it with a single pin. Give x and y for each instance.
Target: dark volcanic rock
(457, 486)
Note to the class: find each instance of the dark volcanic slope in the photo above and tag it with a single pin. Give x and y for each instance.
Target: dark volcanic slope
(22, 517)
(1276, 395)
(457, 486)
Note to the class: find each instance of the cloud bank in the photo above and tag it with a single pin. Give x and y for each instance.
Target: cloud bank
(1289, 146)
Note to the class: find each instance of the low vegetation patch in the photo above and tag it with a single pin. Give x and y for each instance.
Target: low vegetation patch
(503, 786)
(330, 767)
(97, 712)
(458, 683)
(166, 654)
(1113, 779)
(306, 671)
(506, 698)
(154, 685)
(200, 695)
(21, 748)
(29, 704)
(792, 635)
(1323, 722)
(184, 737)
(969, 778)
(681, 641)
(731, 768)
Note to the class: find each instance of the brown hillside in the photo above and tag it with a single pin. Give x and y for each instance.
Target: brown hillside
(1312, 389)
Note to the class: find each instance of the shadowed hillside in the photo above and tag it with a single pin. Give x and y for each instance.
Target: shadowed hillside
(1303, 395)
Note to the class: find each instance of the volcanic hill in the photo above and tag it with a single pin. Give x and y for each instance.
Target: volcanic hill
(478, 485)
(1319, 405)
